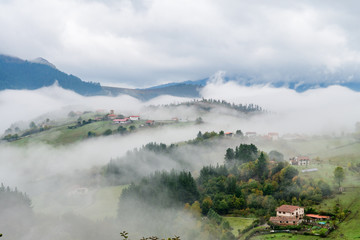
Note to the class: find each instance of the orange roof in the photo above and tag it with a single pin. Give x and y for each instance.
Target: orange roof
(287, 208)
(316, 216)
(227, 133)
(121, 120)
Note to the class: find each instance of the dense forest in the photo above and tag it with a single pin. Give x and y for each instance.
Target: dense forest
(248, 183)
(207, 105)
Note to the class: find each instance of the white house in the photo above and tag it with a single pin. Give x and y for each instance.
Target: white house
(300, 161)
(288, 215)
(134, 118)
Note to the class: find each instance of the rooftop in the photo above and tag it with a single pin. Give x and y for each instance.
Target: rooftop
(287, 208)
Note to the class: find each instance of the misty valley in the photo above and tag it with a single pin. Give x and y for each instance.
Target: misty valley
(193, 169)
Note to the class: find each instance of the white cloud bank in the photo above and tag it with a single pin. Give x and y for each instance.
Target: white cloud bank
(319, 111)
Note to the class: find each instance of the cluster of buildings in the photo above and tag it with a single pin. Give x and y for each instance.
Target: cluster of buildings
(293, 215)
(300, 161)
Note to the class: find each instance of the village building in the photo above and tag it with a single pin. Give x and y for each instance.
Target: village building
(228, 134)
(134, 118)
(121, 120)
(315, 217)
(300, 161)
(273, 135)
(288, 215)
(111, 116)
(150, 122)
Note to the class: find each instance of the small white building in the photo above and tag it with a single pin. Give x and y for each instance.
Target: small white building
(300, 161)
(134, 118)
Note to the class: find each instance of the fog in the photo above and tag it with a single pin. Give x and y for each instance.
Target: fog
(49, 173)
(317, 111)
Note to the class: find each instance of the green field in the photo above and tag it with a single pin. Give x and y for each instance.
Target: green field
(61, 134)
(239, 223)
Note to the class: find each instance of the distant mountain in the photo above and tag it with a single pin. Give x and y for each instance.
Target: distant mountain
(176, 89)
(297, 84)
(192, 89)
(16, 73)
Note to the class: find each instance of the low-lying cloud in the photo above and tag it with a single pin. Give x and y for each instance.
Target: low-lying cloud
(317, 111)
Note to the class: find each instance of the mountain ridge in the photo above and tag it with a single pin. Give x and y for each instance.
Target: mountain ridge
(16, 73)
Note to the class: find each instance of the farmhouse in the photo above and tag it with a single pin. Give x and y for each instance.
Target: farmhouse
(288, 215)
(229, 134)
(121, 120)
(300, 161)
(150, 122)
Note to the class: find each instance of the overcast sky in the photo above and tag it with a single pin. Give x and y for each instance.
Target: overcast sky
(146, 42)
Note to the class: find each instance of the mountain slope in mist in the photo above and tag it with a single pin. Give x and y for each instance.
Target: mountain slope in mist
(16, 73)
(298, 83)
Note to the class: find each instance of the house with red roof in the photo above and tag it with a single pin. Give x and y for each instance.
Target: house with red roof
(288, 215)
(228, 134)
(150, 122)
(315, 217)
(111, 116)
(121, 120)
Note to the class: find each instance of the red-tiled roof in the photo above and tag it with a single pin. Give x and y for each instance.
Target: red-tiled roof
(227, 133)
(316, 216)
(121, 120)
(149, 121)
(111, 115)
(287, 208)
